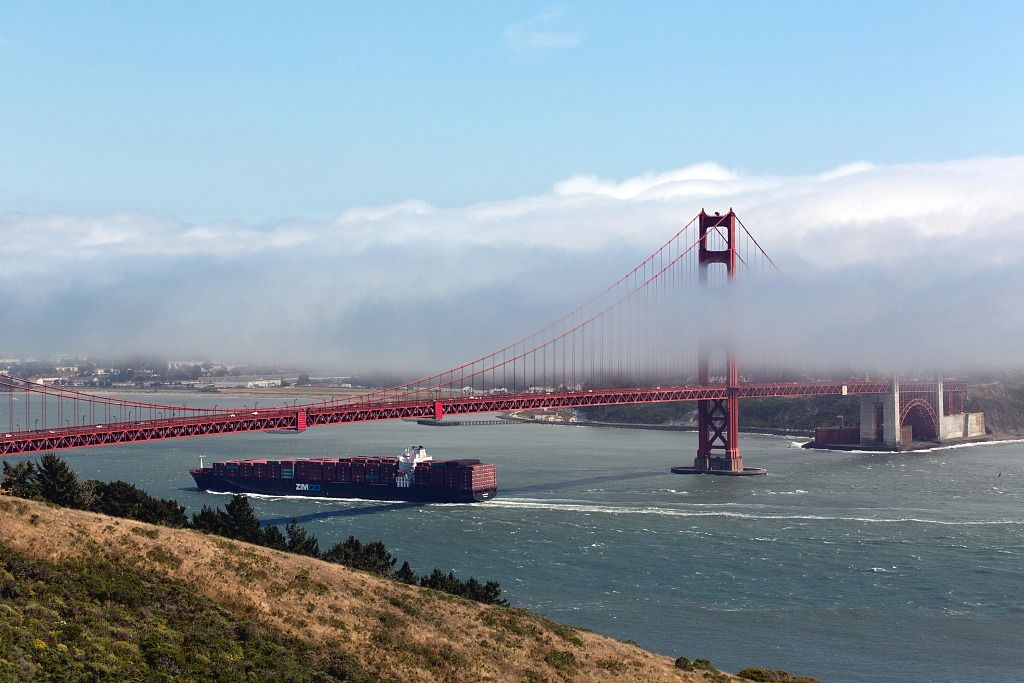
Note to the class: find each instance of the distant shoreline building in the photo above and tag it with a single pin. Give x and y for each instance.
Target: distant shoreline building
(263, 384)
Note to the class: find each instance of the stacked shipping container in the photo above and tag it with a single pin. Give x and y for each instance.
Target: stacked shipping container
(466, 476)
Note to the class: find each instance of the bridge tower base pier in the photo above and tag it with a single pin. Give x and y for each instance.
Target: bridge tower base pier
(718, 439)
(880, 419)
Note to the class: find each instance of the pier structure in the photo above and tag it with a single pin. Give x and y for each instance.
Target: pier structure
(907, 415)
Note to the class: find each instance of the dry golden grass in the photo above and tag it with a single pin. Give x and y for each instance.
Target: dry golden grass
(403, 632)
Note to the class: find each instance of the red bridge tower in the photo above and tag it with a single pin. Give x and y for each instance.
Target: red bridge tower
(718, 449)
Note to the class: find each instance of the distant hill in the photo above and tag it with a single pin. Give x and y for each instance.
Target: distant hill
(1002, 402)
(803, 414)
(133, 601)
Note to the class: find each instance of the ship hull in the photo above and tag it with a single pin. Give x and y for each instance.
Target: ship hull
(290, 487)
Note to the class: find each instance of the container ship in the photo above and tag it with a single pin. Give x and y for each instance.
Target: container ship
(413, 476)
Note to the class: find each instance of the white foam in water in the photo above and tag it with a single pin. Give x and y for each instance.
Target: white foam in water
(973, 444)
(538, 504)
(326, 499)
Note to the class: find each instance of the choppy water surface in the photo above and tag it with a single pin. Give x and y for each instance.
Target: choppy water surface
(847, 567)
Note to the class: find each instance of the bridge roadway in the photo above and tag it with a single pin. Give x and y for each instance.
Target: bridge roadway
(319, 414)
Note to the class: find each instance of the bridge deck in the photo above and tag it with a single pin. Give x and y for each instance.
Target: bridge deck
(248, 420)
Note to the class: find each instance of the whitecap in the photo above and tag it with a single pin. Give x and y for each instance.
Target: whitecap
(536, 504)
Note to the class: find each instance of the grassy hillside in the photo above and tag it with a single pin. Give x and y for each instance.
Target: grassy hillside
(87, 619)
(131, 601)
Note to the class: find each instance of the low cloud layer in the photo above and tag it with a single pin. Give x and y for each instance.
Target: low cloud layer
(893, 267)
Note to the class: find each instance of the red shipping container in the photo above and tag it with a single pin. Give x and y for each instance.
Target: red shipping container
(436, 477)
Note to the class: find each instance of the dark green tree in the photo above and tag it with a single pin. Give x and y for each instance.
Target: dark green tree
(489, 593)
(271, 537)
(370, 557)
(59, 484)
(239, 521)
(377, 559)
(405, 574)
(344, 552)
(300, 542)
(440, 581)
(121, 499)
(208, 520)
(21, 480)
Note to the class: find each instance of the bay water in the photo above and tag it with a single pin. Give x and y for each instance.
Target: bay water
(842, 566)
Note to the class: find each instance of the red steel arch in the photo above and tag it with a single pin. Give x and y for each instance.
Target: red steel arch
(921, 415)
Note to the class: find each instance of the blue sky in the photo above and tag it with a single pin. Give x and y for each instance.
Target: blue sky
(260, 112)
(246, 181)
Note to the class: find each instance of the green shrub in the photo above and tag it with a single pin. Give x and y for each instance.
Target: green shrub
(774, 676)
(121, 499)
(518, 622)
(700, 664)
(615, 666)
(164, 557)
(566, 633)
(488, 593)
(562, 660)
(371, 557)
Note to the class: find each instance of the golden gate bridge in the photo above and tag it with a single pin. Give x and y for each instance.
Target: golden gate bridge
(663, 332)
